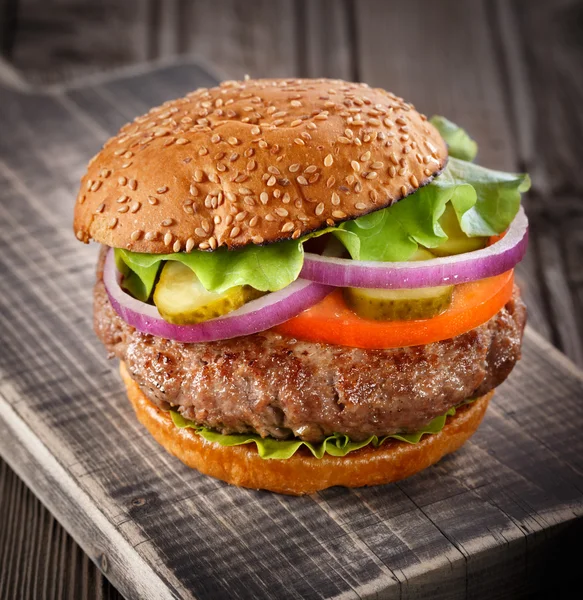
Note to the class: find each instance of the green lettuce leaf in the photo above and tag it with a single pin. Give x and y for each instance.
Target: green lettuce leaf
(459, 143)
(485, 202)
(266, 268)
(335, 445)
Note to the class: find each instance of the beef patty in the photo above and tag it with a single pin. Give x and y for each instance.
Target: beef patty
(280, 387)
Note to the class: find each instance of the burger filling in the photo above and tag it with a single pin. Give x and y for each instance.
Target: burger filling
(344, 367)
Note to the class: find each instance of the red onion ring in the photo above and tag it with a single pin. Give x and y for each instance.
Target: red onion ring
(258, 315)
(498, 258)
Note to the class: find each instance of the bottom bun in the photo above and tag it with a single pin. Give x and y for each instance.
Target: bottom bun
(302, 473)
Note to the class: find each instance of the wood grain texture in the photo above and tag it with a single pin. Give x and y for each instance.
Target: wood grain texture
(479, 524)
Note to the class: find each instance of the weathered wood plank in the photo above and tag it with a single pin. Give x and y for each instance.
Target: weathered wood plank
(549, 34)
(257, 37)
(37, 558)
(326, 39)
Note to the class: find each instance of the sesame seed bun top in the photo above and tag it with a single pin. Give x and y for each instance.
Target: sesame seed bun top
(254, 161)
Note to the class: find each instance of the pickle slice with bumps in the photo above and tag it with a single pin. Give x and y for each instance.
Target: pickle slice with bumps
(400, 305)
(458, 242)
(181, 298)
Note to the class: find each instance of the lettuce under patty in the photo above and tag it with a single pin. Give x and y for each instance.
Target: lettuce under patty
(335, 445)
(485, 202)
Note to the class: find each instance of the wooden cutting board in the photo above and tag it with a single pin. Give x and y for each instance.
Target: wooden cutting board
(495, 520)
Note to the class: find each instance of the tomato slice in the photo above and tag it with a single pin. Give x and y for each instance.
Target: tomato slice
(332, 322)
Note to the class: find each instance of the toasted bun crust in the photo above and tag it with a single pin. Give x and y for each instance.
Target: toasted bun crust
(302, 473)
(254, 162)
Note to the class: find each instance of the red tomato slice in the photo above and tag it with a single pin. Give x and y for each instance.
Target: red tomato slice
(332, 322)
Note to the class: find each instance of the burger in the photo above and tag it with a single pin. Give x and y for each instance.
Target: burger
(307, 282)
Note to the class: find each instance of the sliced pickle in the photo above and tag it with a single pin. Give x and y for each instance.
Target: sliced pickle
(181, 298)
(458, 242)
(400, 305)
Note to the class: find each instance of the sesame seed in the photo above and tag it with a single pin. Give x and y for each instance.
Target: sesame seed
(293, 168)
(212, 241)
(167, 222)
(181, 142)
(282, 212)
(133, 185)
(152, 200)
(126, 165)
(200, 232)
(244, 191)
(392, 171)
(360, 206)
(112, 223)
(413, 181)
(344, 140)
(295, 123)
(274, 170)
(216, 138)
(122, 180)
(328, 160)
(271, 181)
(151, 235)
(235, 232)
(377, 165)
(123, 209)
(253, 221)
(122, 199)
(95, 186)
(135, 207)
(358, 187)
(299, 142)
(239, 216)
(338, 214)
(400, 121)
(393, 158)
(427, 172)
(136, 235)
(302, 180)
(204, 245)
(355, 165)
(269, 217)
(251, 165)
(233, 141)
(296, 103)
(189, 244)
(255, 130)
(287, 227)
(330, 182)
(365, 156)
(168, 238)
(387, 122)
(335, 199)
(319, 209)
(176, 246)
(371, 175)
(311, 169)
(403, 190)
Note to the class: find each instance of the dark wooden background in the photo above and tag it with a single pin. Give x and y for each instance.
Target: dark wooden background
(509, 70)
